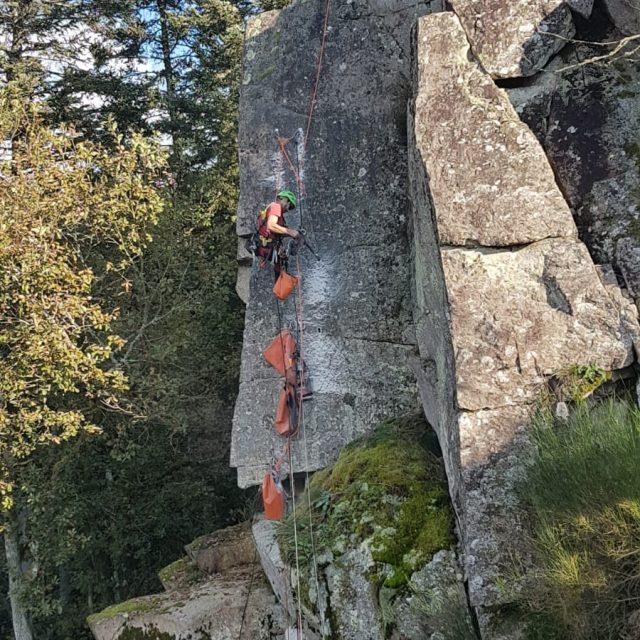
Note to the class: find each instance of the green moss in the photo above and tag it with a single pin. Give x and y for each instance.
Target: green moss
(170, 571)
(138, 605)
(579, 381)
(384, 488)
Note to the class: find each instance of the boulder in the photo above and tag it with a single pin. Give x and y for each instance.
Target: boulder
(587, 116)
(518, 317)
(180, 574)
(215, 610)
(489, 178)
(357, 297)
(224, 549)
(514, 38)
(233, 602)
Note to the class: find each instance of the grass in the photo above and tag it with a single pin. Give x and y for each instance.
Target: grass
(583, 492)
(386, 489)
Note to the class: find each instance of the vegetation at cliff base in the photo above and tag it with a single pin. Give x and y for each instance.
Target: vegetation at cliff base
(384, 488)
(583, 491)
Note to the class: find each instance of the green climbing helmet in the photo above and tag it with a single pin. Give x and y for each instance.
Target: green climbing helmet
(289, 196)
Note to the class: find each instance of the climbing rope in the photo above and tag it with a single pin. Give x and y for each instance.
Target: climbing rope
(297, 172)
(314, 95)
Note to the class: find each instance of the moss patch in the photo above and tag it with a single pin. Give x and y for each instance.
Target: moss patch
(386, 489)
(579, 381)
(181, 573)
(138, 605)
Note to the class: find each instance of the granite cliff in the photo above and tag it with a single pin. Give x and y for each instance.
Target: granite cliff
(471, 185)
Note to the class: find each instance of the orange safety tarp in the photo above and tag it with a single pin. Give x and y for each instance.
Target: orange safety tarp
(280, 354)
(272, 498)
(284, 285)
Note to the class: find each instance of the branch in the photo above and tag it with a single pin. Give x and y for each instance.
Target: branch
(619, 46)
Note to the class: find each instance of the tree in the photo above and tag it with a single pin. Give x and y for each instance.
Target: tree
(60, 201)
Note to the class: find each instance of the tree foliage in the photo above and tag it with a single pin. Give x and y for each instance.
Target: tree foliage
(59, 200)
(104, 511)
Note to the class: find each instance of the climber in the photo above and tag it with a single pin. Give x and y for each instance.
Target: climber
(266, 242)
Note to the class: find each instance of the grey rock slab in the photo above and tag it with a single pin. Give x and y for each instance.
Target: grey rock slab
(493, 454)
(489, 178)
(520, 316)
(625, 14)
(353, 597)
(583, 7)
(215, 609)
(277, 572)
(514, 38)
(356, 384)
(357, 297)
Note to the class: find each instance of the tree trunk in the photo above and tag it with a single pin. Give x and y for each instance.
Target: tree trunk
(167, 64)
(21, 625)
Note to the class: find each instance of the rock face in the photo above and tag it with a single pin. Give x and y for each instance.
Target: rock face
(514, 38)
(357, 298)
(587, 118)
(492, 321)
(625, 15)
(221, 594)
(484, 154)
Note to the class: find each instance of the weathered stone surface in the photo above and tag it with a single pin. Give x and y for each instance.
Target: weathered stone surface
(623, 301)
(535, 311)
(491, 323)
(514, 38)
(214, 610)
(437, 603)
(264, 534)
(224, 549)
(583, 7)
(489, 178)
(587, 118)
(181, 574)
(493, 454)
(628, 259)
(354, 602)
(625, 15)
(357, 297)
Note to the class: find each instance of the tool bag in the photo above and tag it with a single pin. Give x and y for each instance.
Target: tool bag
(272, 497)
(284, 285)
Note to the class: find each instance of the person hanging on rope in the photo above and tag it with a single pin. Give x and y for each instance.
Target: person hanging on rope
(272, 228)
